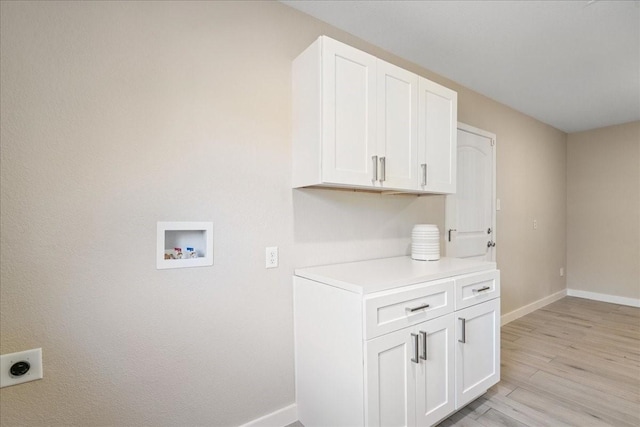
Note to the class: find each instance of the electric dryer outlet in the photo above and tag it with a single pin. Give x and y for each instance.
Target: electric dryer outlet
(20, 367)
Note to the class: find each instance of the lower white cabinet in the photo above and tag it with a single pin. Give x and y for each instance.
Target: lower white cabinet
(378, 349)
(419, 362)
(477, 350)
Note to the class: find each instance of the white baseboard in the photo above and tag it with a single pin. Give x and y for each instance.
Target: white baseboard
(522, 311)
(279, 418)
(633, 302)
(529, 308)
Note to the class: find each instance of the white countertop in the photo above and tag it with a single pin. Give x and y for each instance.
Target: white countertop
(366, 277)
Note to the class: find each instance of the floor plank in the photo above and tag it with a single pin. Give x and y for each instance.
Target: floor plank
(555, 409)
(493, 418)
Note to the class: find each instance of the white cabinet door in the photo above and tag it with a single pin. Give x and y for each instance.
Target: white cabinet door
(435, 391)
(348, 114)
(410, 375)
(477, 350)
(437, 123)
(390, 379)
(397, 127)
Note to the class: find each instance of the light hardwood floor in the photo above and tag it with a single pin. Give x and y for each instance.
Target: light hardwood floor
(574, 362)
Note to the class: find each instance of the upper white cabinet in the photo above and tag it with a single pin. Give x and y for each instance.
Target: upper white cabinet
(357, 123)
(397, 142)
(334, 116)
(437, 136)
(348, 133)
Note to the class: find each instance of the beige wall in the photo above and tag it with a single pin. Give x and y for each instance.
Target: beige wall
(118, 115)
(603, 210)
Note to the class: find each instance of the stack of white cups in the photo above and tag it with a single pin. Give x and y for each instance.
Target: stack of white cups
(425, 242)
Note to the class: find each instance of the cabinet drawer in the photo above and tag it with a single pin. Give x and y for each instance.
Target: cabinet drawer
(476, 288)
(389, 311)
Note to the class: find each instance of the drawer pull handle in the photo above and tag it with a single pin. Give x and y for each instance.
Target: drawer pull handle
(424, 345)
(484, 288)
(463, 331)
(417, 308)
(414, 359)
(374, 159)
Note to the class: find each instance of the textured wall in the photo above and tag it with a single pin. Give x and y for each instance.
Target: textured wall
(603, 211)
(118, 115)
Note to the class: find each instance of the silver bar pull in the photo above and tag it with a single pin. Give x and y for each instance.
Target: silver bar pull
(415, 348)
(482, 289)
(424, 345)
(418, 308)
(374, 160)
(383, 169)
(450, 230)
(424, 173)
(463, 332)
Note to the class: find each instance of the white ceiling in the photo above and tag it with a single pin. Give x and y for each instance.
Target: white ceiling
(572, 64)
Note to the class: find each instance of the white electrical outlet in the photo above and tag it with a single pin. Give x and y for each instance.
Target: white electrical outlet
(20, 367)
(561, 271)
(271, 257)
(535, 224)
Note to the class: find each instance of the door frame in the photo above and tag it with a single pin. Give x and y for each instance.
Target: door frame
(449, 216)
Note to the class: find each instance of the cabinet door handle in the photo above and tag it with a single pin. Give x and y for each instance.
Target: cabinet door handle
(463, 331)
(424, 345)
(482, 289)
(420, 307)
(383, 169)
(450, 230)
(414, 359)
(374, 160)
(424, 173)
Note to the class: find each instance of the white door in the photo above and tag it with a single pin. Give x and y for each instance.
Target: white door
(348, 114)
(435, 390)
(477, 350)
(437, 121)
(390, 376)
(470, 224)
(397, 127)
